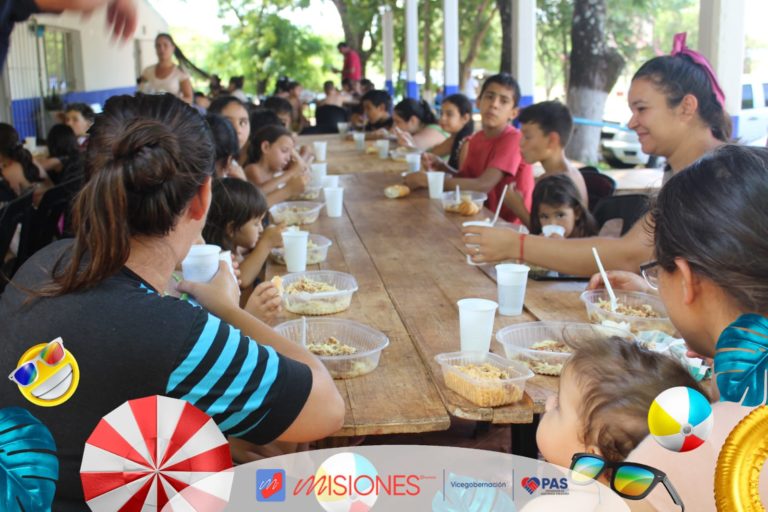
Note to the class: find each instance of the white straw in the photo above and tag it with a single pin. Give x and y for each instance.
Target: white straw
(458, 194)
(498, 208)
(304, 331)
(608, 287)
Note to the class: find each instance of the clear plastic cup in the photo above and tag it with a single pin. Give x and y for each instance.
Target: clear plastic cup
(321, 150)
(201, 263)
(334, 201)
(476, 324)
(552, 229)
(359, 138)
(383, 146)
(414, 161)
(436, 181)
(511, 279)
(318, 172)
(330, 181)
(295, 248)
(484, 223)
(343, 128)
(30, 143)
(226, 257)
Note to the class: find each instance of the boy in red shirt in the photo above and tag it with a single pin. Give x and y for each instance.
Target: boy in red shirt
(491, 158)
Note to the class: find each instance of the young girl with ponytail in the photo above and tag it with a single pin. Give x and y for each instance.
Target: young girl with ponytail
(416, 125)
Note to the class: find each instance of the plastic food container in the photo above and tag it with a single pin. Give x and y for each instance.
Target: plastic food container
(310, 194)
(295, 212)
(481, 391)
(317, 250)
(518, 339)
(597, 314)
(450, 204)
(320, 303)
(368, 341)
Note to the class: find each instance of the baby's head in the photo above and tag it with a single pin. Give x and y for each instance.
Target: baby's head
(606, 389)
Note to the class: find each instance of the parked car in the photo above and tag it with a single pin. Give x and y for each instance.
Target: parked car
(752, 125)
(620, 147)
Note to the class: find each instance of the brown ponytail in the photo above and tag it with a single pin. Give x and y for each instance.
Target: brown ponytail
(11, 147)
(147, 157)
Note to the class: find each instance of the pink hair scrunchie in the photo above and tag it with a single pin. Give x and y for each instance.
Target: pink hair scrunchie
(679, 48)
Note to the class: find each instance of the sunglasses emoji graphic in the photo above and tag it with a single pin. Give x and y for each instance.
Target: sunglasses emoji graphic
(47, 374)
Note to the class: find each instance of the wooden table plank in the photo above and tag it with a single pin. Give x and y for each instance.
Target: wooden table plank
(399, 396)
(343, 158)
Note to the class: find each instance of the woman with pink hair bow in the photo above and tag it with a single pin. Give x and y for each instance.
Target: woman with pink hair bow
(677, 112)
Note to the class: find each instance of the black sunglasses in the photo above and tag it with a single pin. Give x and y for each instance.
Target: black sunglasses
(628, 479)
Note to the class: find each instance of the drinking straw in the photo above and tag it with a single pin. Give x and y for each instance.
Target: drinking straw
(501, 202)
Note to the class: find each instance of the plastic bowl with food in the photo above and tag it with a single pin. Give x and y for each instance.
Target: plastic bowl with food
(318, 292)
(545, 346)
(347, 348)
(310, 193)
(317, 250)
(452, 204)
(483, 378)
(642, 311)
(293, 213)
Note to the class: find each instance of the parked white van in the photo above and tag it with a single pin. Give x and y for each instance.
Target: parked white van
(752, 124)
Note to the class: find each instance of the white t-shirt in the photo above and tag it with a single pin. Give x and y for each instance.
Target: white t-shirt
(171, 83)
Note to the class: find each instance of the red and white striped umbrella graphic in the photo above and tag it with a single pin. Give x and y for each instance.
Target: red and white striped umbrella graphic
(156, 453)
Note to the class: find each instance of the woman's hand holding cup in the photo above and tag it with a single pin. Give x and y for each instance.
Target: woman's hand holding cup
(219, 295)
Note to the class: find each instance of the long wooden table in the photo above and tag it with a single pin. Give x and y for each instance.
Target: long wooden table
(343, 158)
(407, 257)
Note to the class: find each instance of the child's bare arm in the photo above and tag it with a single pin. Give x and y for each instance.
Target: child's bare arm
(483, 183)
(251, 266)
(514, 201)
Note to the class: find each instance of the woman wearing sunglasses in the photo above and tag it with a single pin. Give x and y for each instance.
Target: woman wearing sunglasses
(149, 166)
(711, 271)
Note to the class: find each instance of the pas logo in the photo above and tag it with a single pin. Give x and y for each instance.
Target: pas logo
(530, 484)
(270, 485)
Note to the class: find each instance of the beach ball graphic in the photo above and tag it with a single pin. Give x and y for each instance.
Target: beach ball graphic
(358, 477)
(680, 419)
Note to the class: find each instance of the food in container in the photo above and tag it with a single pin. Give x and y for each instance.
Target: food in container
(320, 292)
(317, 250)
(483, 378)
(295, 212)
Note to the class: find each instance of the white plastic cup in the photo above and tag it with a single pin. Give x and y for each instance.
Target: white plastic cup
(476, 324)
(436, 181)
(552, 229)
(295, 247)
(226, 257)
(330, 181)
(318, 172)
(414, 161)
(321, 150)
(201, 263)
(343, 128)
(359, 138)
(383, 146)
(30, 143)
(484, 223)
(511, 279)
(334, 201)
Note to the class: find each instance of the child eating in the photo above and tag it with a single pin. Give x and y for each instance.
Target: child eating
(558, 210)
(274, 165)
(491, 158)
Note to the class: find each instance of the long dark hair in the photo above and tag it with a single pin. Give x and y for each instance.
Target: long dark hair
(713, 215)
(234, 203)
(677, 76)
(409, 108)
(559, 190)
(62, 142)
(269, 134)
(184, 62)
(147, 157)
(11, 147)
(224, 139)
(464, 105)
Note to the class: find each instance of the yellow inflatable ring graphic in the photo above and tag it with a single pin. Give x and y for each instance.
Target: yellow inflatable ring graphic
(739, 464)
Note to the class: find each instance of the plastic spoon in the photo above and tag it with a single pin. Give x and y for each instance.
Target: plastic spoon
(498, 208)
(608, 287)
(303, 331)
(458, 194)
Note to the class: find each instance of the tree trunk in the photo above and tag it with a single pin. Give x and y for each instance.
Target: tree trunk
(505, 13)
(594, 70)
(478, 34)
(427, 46)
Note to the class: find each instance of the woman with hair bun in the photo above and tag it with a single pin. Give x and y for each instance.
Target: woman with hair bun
(149, 167)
